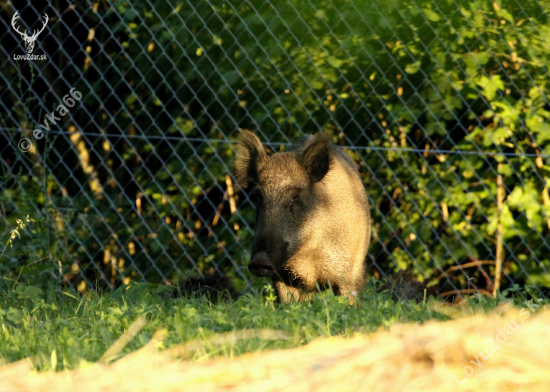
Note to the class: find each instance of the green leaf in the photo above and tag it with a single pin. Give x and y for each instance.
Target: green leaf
(413, 68)
(29, 292)
(15, 316)
(539, 126)
(505, 170)
(431, 15)
(490, 85)
(333, 61)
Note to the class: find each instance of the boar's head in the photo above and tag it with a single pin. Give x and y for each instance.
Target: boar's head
(283, 187)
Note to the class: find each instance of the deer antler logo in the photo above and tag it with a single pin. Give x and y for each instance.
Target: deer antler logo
(29, 41)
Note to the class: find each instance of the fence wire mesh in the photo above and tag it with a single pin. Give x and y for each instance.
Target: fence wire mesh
(442, 103)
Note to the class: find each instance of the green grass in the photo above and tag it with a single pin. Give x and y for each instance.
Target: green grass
(60, 329)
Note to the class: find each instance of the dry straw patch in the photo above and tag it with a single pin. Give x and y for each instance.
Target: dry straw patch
(406, 358)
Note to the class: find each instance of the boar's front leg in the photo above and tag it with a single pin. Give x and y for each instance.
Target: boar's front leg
(289, 294)
(349, 292)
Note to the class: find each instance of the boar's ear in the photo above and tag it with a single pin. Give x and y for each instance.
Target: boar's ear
(316, 158)
(250, 155)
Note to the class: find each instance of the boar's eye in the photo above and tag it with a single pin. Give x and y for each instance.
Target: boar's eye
(293, 201)
(294, 196)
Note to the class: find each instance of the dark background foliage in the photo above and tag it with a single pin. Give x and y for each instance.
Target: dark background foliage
(136, 183)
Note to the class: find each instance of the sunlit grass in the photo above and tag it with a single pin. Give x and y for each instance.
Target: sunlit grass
(60, 329)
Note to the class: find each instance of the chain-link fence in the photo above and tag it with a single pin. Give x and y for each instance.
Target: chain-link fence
(442, 103)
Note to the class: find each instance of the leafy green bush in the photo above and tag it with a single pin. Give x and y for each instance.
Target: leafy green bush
(389, 79)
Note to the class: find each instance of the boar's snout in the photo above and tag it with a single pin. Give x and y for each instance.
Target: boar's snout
(261, 266)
